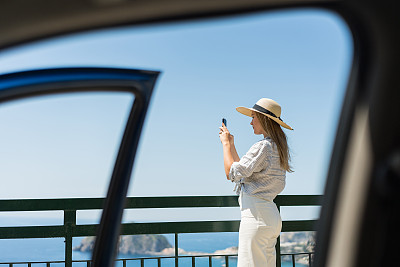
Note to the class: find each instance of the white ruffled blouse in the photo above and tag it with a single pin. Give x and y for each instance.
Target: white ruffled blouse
(258, 173)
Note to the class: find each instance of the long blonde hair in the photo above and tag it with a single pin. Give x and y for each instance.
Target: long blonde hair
(277, 135)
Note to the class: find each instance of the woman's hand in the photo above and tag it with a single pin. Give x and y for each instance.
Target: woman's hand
(225, 136)
(228, 146)
(226, 139)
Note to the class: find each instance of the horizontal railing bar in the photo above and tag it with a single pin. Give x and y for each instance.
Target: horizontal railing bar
(298, 200)
(129, 259)
(32, 232)
(298, 253)
(51, 204)
(295, 226)
(147, 202)
(131, 203)
(144, 228)
(31, 262)
(155, 258)
(182, 202)
(166, 257)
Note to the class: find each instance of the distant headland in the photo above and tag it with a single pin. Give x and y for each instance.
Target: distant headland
(146, 245)
(131, 244)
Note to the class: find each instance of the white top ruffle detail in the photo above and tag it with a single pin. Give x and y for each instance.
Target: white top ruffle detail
(258, 173)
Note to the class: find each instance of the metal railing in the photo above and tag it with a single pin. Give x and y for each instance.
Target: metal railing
(70, 229)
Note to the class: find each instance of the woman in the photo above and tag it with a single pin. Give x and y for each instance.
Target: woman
(260, 177)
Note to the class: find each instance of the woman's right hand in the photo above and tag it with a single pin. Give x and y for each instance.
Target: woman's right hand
(225, 135)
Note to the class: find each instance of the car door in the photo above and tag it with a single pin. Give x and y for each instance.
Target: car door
(139, 83)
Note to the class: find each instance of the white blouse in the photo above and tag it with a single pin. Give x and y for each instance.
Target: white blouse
(258, 173)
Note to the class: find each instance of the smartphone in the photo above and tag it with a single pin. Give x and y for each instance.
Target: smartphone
(224, 122)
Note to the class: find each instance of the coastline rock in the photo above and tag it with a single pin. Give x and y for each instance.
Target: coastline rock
(298, 242)
(131, 244)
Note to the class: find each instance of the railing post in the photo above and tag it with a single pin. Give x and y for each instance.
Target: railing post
(278, 245)
(176, 250)
(278, 251)
(69, 224)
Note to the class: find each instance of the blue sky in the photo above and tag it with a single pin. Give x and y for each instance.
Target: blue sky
(65, 147)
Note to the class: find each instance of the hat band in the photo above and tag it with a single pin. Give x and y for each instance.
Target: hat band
(266, 111)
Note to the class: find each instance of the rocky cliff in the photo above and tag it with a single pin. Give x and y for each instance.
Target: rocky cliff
(132, 244)
(298, 242)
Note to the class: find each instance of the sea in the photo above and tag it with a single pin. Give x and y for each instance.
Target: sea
(52, 249)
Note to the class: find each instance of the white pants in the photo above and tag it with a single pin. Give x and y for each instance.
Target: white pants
(260, 227)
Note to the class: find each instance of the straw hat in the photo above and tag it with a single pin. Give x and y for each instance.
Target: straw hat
(267, 107)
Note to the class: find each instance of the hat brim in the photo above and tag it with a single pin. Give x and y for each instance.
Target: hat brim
(248, 111)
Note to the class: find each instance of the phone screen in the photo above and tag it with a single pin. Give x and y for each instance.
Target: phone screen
(224, 122)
